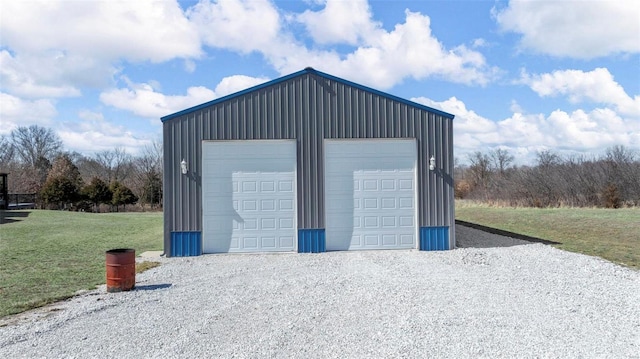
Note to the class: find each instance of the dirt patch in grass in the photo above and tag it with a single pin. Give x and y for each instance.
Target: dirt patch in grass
(146, 265)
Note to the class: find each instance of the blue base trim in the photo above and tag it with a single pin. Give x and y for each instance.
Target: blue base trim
(311, 241)
(434, 238)
(185, 244)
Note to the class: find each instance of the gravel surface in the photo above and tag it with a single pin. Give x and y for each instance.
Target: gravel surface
(525, 301)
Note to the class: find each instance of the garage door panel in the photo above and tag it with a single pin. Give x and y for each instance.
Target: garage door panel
(249, 196)
(404, 184)
(370, 194)
(388, 185)
(389, 221)
(268, 205)
(355, 240)
(389, 240)
(286, 241)
(249, 243)
(406, 239)
(388, 203)
(269, 242)
(268, 186)
(286, 223)
(263, 166)
(286, 205)
(404, 202)
(346, 221)
(406, 221)
(249, 224)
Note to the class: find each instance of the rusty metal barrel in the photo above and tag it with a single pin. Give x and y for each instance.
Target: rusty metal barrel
(121, 269)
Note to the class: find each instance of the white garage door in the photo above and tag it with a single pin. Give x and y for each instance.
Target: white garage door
(370, 194)
(248, 196)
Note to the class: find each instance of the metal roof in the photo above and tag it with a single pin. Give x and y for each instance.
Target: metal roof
(308, 70)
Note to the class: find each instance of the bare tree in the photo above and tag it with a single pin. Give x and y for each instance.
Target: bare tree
(611, 180)
(621, 169)
(116, 165)
(480, 167)
(547, 158)
(153, 155)
(34, 143)
(501, 159)
(90, 168)
(75, 156)
(6, 152)
(147, 180)
(620, 154)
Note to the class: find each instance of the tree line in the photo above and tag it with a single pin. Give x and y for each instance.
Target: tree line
(60, 179)
(611, 180)
(107, 181)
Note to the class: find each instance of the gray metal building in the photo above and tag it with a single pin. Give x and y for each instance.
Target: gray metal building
(308, 162)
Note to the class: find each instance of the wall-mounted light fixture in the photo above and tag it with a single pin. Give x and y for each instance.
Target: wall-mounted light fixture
(183, 167)
(432, 163)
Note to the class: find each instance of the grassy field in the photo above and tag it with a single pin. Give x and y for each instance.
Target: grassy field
(613, 234)
(48, 255)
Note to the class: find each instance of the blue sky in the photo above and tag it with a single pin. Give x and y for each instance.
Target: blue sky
(519, 75)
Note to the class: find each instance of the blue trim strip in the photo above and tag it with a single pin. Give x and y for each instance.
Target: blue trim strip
(434, 238)
(311, 241)
(186, 244)
(308, 70)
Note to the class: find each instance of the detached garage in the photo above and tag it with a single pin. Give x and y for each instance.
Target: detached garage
(307, 163)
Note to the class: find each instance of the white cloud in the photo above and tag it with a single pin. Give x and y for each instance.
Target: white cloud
(138, 30)
(145, 100)
(381, 58)
(55, 47)
(578, 29)
(89, 115)
(58, 48)
(597, 86)
(466, 121)
(15, 112)
(235, 83)
(410, 50)
(340, 22)
(525, 134)
(479, 42)
(515, 107)
(90, 142)
(93, 133)
(243, 26)
(189, 66)
(42, 76)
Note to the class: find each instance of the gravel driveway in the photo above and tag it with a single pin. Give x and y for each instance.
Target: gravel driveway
(527, 300)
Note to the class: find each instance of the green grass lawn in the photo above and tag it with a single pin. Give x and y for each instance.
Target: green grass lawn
(49, 255)
(613, 234)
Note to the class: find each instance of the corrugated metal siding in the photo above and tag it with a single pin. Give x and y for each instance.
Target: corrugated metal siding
(184, 244)
(434, 239)
(311, 241)
(308, 108)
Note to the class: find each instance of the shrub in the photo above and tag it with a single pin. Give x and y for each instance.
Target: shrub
(611, 196)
